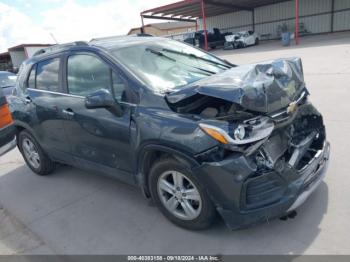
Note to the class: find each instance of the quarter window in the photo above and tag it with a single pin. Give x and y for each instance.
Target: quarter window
(87, 74)
(47, 75)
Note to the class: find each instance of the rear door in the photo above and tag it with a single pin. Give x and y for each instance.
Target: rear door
(43, 100)
(7, 131)
(98, 137)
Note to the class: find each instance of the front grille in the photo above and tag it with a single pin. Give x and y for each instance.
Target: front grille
(284, 114)
(263, 190)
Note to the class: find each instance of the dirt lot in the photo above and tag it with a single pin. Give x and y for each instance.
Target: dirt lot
(77, 212)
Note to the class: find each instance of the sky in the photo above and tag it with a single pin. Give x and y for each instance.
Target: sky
(42, 21)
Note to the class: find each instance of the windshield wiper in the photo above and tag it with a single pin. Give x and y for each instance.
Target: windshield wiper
(196, 57)
(174, 60)
(160, 54)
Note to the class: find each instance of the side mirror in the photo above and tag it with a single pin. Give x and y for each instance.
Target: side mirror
(103, 99)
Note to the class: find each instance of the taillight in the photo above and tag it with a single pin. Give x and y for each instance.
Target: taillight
(5, 116)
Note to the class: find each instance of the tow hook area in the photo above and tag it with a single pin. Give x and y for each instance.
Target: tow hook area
(291, 215)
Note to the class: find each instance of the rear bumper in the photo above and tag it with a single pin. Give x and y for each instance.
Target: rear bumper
(7, 139)
(224, 182)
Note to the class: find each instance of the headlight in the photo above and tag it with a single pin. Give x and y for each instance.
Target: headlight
(239, 132)
(215, 132)
(247, 132)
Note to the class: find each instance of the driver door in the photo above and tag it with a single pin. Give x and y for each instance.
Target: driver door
(99, 139)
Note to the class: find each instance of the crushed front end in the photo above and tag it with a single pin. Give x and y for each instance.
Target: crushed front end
(273, 151)
(263, 180)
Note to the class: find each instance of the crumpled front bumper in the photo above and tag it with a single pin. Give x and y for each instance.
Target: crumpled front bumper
(314, 173)
(224, 182)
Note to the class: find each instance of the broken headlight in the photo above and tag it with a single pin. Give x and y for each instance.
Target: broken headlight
(248, 131)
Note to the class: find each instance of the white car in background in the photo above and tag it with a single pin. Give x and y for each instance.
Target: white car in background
(241, 39)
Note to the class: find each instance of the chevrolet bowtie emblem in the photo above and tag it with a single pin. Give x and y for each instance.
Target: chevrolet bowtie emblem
(292, 107)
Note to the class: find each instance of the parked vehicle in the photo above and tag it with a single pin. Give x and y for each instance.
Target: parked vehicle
(196, 133)
(215, 38)
(190, 38)
(7, 130)
(7, 82)
(241, 39)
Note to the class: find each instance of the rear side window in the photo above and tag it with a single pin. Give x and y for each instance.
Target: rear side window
(47, 75)
(31, 78)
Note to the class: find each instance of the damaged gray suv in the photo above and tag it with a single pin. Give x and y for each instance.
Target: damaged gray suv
(199, 135)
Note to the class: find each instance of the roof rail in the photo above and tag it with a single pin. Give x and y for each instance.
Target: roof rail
(143, 34)
(118, 37)
(59, 47)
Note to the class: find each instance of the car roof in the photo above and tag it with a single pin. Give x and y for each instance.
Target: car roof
(109, 43)
(123, 41)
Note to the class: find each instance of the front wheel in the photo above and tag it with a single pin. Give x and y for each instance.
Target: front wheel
(179, 196)
(34, 155)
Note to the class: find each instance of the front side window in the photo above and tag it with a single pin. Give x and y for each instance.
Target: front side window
(87, 74)
(47, 75)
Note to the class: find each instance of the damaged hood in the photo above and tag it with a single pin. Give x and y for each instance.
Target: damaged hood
(263, 87)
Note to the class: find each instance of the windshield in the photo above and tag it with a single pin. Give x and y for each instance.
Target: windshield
(166, 64)
(7, 80)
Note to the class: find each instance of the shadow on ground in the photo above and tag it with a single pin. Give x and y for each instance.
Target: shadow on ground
(78, 212)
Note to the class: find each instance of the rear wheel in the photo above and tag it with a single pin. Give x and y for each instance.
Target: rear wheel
(256, 41)
(179, 196)
(34, 155)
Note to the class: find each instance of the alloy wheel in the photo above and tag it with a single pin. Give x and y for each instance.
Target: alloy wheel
(31, 153)
(179, 195)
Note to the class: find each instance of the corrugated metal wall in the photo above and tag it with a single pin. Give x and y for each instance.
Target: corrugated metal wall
(341, 18)
(227, 22)
(315, 14)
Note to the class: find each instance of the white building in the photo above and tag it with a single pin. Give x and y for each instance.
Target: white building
(22, 52)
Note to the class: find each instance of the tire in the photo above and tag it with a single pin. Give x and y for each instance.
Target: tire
(39, 162)
(203, 212)
(257, 41)
(228, 46)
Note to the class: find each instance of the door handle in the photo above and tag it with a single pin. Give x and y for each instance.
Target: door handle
(68, 112)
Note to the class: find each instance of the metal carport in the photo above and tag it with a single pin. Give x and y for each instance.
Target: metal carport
(192, 10)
